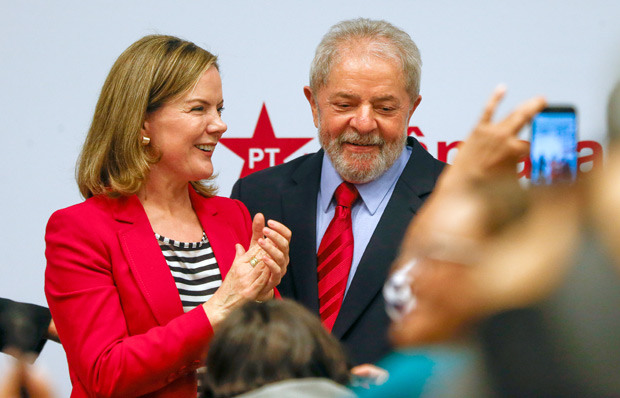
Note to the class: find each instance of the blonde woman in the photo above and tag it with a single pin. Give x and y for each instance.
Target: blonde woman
(140, 274)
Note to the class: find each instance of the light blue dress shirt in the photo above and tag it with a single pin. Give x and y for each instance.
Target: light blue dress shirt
(366, 212)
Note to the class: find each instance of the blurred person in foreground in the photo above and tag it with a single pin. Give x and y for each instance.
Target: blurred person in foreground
(142, 272)
(491, 150)
(24, 330)
(349, 204)
(276, 348)
(532, 275)
(25, 327)
(24, 380)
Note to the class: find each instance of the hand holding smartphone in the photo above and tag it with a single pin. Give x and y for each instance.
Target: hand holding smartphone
(553, 149)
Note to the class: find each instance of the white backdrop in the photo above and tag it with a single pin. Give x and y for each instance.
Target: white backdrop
(56, 55)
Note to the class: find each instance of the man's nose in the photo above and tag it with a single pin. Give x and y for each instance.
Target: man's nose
(364, 120)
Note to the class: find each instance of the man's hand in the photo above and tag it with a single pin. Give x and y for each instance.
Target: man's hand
(367, 375)
(493, 148)
(52, 333)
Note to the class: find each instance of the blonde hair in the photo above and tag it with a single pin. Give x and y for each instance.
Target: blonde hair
(151, 72)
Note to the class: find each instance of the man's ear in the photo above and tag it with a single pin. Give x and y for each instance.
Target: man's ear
(413, 108)
(315, 112)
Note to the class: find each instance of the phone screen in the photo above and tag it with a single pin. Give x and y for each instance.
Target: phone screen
(553, 149)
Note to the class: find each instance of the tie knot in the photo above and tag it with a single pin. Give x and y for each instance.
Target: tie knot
(346, 194)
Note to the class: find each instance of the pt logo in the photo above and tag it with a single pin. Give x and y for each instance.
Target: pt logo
(263, 149)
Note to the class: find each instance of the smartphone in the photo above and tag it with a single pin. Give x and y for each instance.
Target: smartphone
(553, 149)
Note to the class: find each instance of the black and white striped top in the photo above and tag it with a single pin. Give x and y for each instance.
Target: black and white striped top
(194, 269)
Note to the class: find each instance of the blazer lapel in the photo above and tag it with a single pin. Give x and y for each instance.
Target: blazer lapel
(146, 260)
(214, 223)
(414, 184)
(299, 213)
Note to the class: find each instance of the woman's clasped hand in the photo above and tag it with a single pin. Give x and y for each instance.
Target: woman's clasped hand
(254, 273)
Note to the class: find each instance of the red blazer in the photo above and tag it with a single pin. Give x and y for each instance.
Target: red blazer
(114, 301)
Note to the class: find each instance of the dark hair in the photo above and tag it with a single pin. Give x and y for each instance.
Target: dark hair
(261, 343)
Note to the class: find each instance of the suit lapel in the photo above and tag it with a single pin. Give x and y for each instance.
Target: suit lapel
(146, 260)
(414, 184)
(299, 212)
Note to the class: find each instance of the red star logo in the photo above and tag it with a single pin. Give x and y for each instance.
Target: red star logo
(263, 149)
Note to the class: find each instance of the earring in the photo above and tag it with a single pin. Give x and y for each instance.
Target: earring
(146, 140)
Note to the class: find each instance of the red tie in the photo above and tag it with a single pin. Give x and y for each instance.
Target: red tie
(335, 255)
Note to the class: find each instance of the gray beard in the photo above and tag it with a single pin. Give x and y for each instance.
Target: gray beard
(361, 168)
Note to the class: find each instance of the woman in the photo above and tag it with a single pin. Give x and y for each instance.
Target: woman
(275, 349)
(148, 224)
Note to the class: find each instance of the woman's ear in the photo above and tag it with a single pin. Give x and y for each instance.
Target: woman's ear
(144, 132)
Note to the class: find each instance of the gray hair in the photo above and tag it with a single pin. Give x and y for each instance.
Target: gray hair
(382, 38)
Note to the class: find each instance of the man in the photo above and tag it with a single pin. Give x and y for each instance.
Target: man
(364, 88)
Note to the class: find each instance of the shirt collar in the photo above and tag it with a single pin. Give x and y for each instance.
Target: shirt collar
(372, 193)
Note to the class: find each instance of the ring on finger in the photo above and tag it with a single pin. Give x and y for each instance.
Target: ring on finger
(253, 261)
